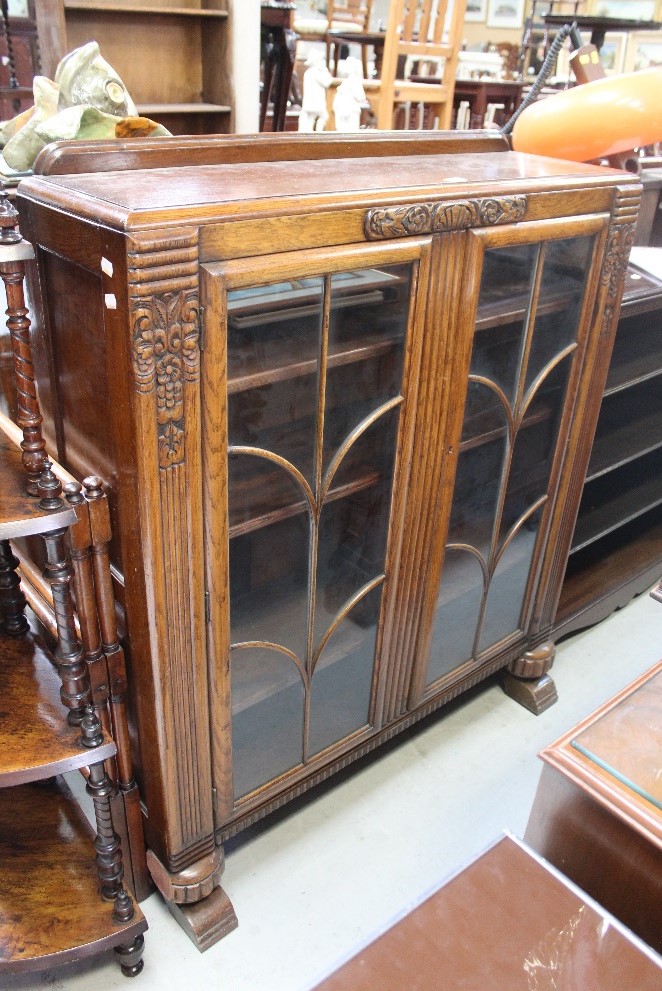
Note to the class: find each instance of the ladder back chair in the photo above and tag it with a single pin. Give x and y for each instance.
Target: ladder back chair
(420, 34)
(346, 15)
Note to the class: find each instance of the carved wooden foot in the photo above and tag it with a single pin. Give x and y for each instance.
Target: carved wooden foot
(526, 680)
(195, 898)
(207, 921)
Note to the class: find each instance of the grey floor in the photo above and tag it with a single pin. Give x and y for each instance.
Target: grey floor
(322, 880)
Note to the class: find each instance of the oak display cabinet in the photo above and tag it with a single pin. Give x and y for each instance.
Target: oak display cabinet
(344, 410)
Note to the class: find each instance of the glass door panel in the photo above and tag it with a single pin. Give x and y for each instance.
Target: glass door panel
(315, 371)
(527, 321)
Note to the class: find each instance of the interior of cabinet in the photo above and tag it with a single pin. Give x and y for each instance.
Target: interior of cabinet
(314, 369)
(524, 343)
(617, 545)
(174, 58)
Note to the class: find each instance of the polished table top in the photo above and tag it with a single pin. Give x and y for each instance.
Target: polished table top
(615, 755)
(600, 25)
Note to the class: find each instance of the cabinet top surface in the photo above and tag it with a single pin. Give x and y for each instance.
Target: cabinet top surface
(146, 197)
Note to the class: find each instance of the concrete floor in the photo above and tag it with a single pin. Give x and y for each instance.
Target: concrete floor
(320, 880)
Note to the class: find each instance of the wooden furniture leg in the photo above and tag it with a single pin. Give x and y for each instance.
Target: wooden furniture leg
(107, 845)
(12, 599)
(526, 679)
(100, 534)
(69, 655)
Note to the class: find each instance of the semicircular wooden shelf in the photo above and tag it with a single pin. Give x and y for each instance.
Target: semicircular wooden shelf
(36, 741)
(20, 514)
(50, 905)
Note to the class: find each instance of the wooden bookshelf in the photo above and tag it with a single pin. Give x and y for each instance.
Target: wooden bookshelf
(174, 58)
(616, 550)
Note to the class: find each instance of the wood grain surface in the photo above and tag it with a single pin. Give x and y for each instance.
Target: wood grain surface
(51, 911)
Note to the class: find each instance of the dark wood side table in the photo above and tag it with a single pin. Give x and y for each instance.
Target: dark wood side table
(597, 815)
(481, 92)
(278, 41)
(508, 923)
(598, 26)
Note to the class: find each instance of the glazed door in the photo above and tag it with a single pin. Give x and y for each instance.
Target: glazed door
(531, 316)
(311, 401)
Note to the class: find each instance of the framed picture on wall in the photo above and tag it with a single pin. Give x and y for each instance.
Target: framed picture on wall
(476, 10)
(644, 51)
(632, 10)
(612, 53)
(505, 13)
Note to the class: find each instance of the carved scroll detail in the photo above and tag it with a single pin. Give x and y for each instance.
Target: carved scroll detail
(434, 218)
(619, 244)
(165, 333)
(165, 355)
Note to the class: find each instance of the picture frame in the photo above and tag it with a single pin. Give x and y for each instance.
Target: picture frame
(644, 51)
(476, 11)
(612, 53)
(633, 10)
(505, 13)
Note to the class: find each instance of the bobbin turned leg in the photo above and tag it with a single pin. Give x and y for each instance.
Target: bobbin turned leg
(12, 600)
(12, 271)
(108, 848)
(69, 654)
(526, 679)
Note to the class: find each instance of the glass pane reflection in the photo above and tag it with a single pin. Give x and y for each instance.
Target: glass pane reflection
(315, 371)
(267, 717)
(340, 694)
(529, 307)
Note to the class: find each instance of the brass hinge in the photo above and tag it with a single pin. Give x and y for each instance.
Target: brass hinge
(214, 807)
(201, 327)
(207, 608)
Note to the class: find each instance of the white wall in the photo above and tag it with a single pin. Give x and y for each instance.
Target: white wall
(245, 48)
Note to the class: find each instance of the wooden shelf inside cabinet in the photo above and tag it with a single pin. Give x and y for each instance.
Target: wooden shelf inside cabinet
(251, 510)
(631, 440)
(50, 908)
(297, 357)
(607, 573)
(36, 741)
(619, 501)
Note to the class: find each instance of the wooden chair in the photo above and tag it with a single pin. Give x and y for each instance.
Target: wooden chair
(351, 15)
(418, 32)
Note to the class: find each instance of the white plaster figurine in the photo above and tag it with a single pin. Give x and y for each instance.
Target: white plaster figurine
(316, 81)
(350, 97)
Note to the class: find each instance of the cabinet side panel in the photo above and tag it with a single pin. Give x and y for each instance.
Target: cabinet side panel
(74, 364)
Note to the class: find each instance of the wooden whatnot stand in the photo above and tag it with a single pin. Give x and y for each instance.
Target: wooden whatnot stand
(56, 913)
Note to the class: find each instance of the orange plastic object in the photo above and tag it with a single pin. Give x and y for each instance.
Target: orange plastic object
(598, 119)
